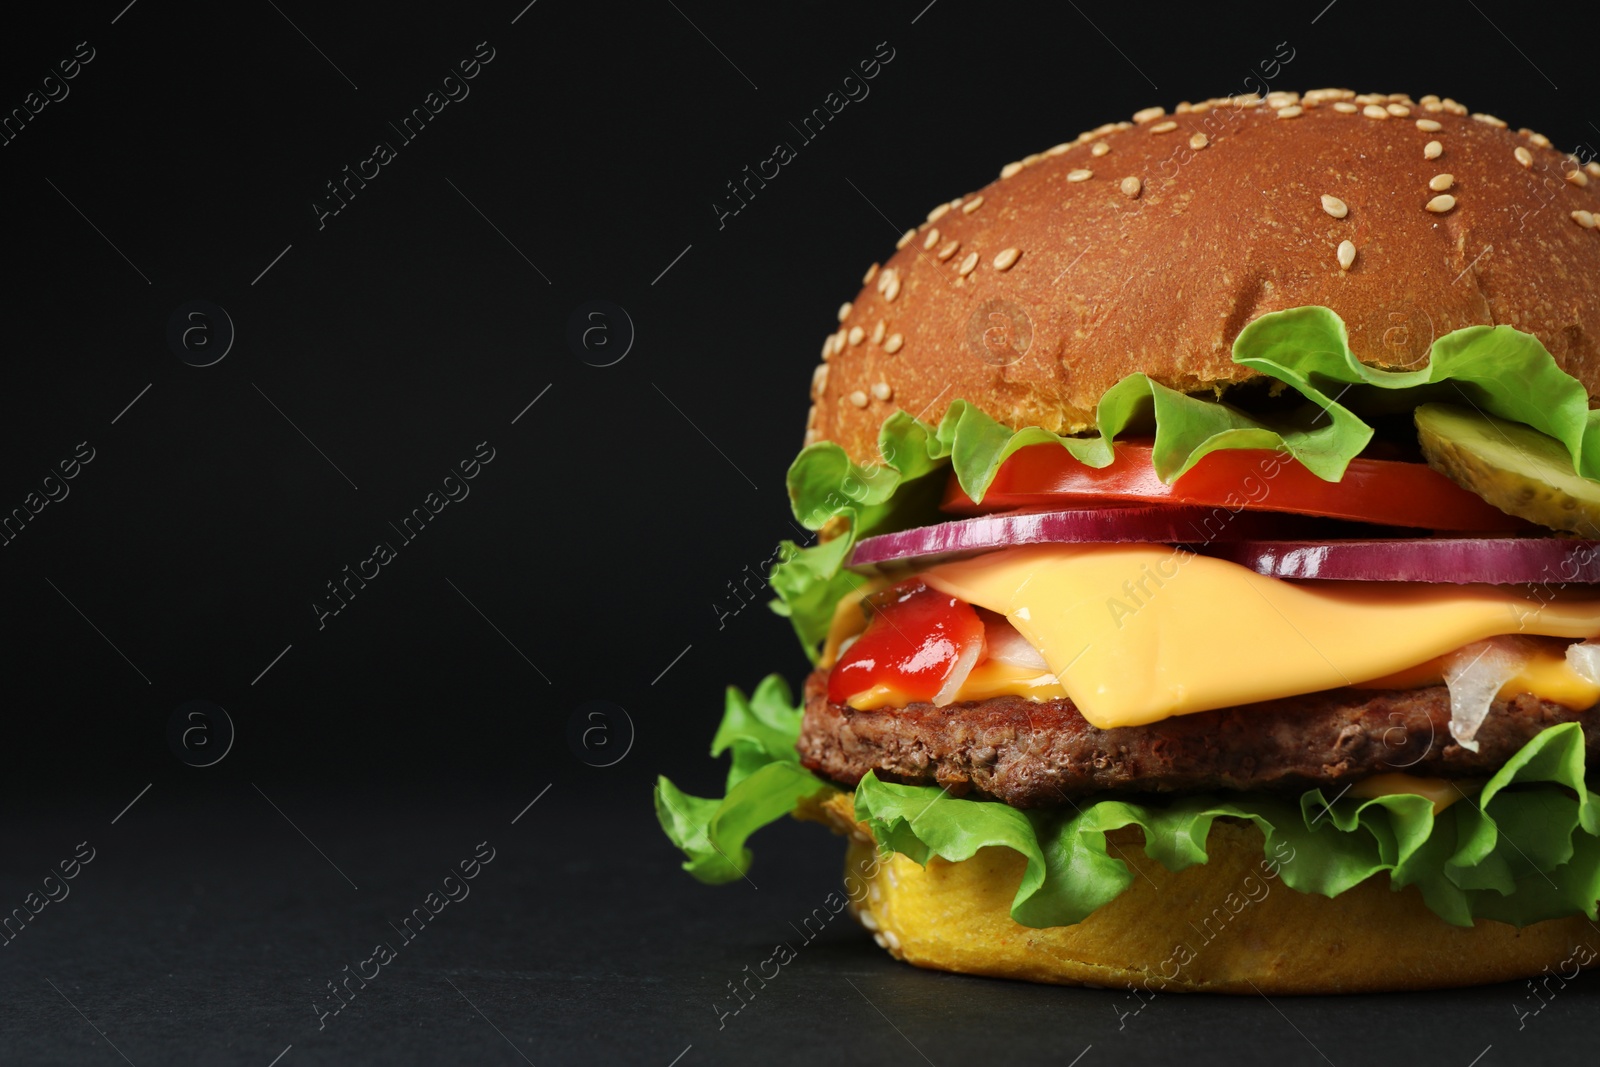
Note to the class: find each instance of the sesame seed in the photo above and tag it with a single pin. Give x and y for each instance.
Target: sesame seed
(966, 265)
(1539, 139)
(1164, 127)
(1334, 206)
(1372, 98)
(827, 347)
(1245, 100)
(1399, 111)
(845, 309)
(1585, 219)
(1431, 98)
(1524, 156)
(972, 205)
(892, 345)
(1131, 187)
(892, 290)
(1290, 112)
(877, 333)
(1199, 141)
(819, 378)
(878, 937)
(905, 239)
(872, 272)
(1010, 170)
(1058, 149)
(1440, 182)
(885, 278)
(955, 203)
(1578, 178)
(838, 342)
(932, 239)
(1433, 150)
(1006, 257)
(882, 391)
(1282, 99)
(1347, 255)
(1453, 107)
(1490, 120)
(858, 398)
(1440, 204)
(1079, 175)
(1344, 107)
(810, 437)
(1032, 158)
(865, 918)
(1592, 169)
(938, 213)
(948, 250)
(894, 942)
(1100, 148)
(1373, 111)
(1433, 106)
(1429, 125)
(857, 335)
(1148, 114)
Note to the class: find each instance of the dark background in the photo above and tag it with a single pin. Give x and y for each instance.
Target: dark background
(593, 558)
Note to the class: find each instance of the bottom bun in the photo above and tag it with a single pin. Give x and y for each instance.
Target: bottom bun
(1229, 925)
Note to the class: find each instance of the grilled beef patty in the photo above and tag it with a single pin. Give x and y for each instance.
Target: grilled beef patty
(1036, 755)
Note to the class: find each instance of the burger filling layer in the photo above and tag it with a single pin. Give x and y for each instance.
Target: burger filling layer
(1136, 634)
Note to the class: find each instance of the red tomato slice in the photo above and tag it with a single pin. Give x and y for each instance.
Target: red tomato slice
(1381, 491)
(916, 640)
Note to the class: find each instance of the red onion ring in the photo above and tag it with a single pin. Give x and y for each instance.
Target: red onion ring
(1550, 561)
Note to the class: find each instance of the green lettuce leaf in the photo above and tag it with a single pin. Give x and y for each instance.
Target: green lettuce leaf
(1523, 848)
(1498, 369)
(765, 783)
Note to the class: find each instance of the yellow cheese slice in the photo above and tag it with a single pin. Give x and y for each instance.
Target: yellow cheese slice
(1139, 633)
(1442, 791)
(988, 680)
(991, 679)
(1546, 675)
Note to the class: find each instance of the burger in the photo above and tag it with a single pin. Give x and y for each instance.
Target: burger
(1204, 588)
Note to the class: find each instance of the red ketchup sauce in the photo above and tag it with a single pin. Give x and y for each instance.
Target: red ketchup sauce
(913, 641)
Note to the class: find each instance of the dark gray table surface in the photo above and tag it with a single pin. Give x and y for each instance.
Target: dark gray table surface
(207, 928)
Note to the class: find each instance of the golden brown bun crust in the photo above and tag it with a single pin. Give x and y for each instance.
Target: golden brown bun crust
(1225, 926)
(1161, 278)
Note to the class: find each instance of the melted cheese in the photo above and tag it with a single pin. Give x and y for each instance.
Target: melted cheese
(1442, 791)
(848, 618)
(1546, 675)
(991, 679)
(1139, 633)
(988, 680)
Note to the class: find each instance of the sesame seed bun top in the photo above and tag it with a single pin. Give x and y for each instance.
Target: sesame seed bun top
(1148, 245)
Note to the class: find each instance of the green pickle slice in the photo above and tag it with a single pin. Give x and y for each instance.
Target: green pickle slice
(1517, 469)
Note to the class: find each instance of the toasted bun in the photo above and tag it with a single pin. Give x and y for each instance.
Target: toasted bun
(1033, 296)
(1229, 925)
